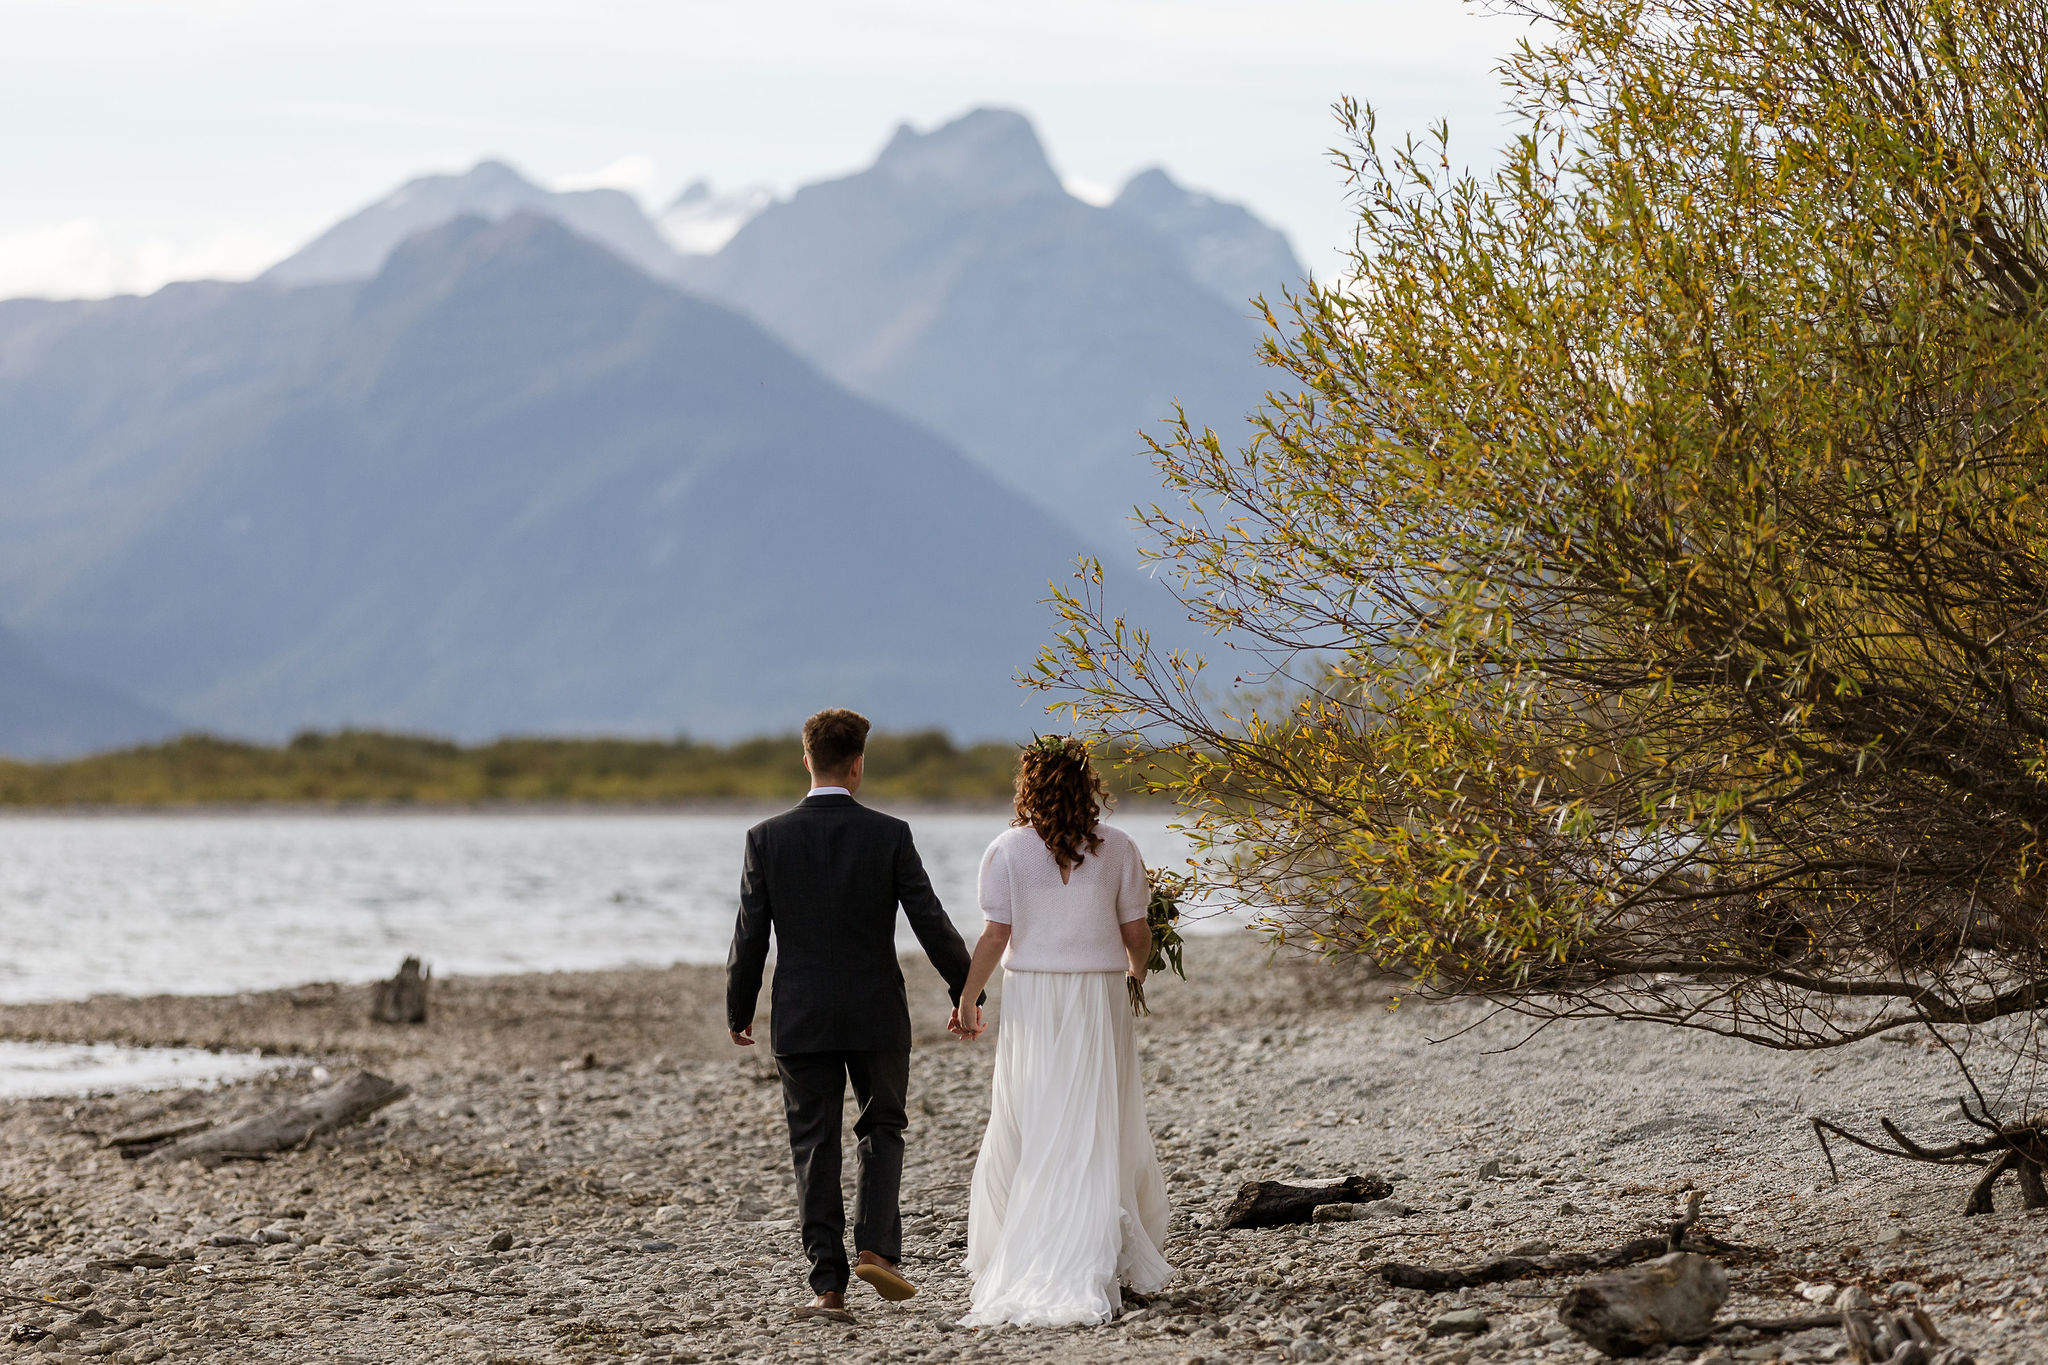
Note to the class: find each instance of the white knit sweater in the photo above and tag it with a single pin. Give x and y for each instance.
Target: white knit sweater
(1060, 926)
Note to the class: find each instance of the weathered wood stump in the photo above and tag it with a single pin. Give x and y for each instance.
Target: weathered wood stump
(402, 999)
(289, 1126)
(1270, 1204)
(1645, 1307)
(1907, 1338)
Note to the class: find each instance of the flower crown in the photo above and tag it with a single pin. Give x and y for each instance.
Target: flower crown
(1064, 745)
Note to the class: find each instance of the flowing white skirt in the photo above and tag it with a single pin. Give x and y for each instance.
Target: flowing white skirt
(1068, 1200)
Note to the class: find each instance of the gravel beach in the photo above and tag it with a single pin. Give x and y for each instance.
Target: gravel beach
(588, 1171)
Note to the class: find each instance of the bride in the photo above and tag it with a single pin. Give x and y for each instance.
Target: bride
(1068, 1200)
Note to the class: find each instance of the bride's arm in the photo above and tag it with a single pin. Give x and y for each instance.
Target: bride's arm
(988, 951)
(1137, 936)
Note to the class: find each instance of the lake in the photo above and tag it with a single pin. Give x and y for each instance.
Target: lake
(213, 903)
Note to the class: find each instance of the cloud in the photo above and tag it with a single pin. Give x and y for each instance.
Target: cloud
(87, 258)
(634, 174)
(1096, 192)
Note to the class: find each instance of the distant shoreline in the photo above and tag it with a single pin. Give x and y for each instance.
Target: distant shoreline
(686, 806)
(368, 770)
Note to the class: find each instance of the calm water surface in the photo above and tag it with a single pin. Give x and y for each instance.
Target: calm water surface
(214, 903)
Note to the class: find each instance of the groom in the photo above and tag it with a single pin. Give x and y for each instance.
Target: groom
(828, 876)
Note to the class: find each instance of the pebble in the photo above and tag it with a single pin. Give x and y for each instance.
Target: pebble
(1459, 1322)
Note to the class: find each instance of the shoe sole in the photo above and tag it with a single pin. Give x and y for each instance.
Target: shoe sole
(889, 1285)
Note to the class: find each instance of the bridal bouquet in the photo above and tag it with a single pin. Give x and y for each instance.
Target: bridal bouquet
(1162, 912)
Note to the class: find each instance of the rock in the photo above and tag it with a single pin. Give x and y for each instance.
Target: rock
(271, 1237)
(1489, 1170)
(657, 1245)
(1903, 1289)
(502, 1241)
(749, 1209)
(1627, 1312)
(1567, 1209)
(1459, 1322)
(230, 1239)
(1383, 1208)
(92, 1317)
(1335, 1213)
(389, 1270)
(1535, 1248)
(671, 1213)
(1854, 1299)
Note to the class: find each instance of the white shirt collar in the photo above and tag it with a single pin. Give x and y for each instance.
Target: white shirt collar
(826, 791)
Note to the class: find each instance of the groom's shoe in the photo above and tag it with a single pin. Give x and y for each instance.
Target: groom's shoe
(883, 1275)
(830, 1306)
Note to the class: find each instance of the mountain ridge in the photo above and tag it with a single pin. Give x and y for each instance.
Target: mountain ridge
(518, 485)
(1041, 334)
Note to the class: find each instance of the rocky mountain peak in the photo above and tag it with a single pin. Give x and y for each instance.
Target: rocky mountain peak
(988, 154)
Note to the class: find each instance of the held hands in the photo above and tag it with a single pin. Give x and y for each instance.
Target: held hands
(966, 1022)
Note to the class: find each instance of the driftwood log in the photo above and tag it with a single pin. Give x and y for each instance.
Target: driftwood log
(1681, 1235)
(1270, 1204)
(145, 1138)
(2016, 1145)
(289, 1126)
(402, 999)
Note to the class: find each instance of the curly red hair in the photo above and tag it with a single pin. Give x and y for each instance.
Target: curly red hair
(1060, 795)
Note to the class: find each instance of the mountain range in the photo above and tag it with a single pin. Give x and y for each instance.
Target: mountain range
(488, 458)
(955, 280)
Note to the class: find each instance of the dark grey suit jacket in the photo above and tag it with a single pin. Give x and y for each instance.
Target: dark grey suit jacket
(828, 877)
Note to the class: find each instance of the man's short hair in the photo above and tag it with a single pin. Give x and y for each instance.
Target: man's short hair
(834, 738)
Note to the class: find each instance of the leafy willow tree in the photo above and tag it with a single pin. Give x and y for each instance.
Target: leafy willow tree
(1650, 568)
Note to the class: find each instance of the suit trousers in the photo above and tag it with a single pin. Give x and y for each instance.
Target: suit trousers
(813, 1095)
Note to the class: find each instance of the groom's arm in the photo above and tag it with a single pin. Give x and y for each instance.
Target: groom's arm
(928, 920)
(749, 953)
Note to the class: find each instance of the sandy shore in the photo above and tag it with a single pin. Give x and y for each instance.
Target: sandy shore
(637, 1162)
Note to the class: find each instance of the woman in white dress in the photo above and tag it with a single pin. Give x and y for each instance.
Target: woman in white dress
(1068, 1201)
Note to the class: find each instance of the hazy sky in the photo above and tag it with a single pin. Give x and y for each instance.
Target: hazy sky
(146, 140)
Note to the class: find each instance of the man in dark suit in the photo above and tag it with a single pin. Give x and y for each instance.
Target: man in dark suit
(828, 876)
